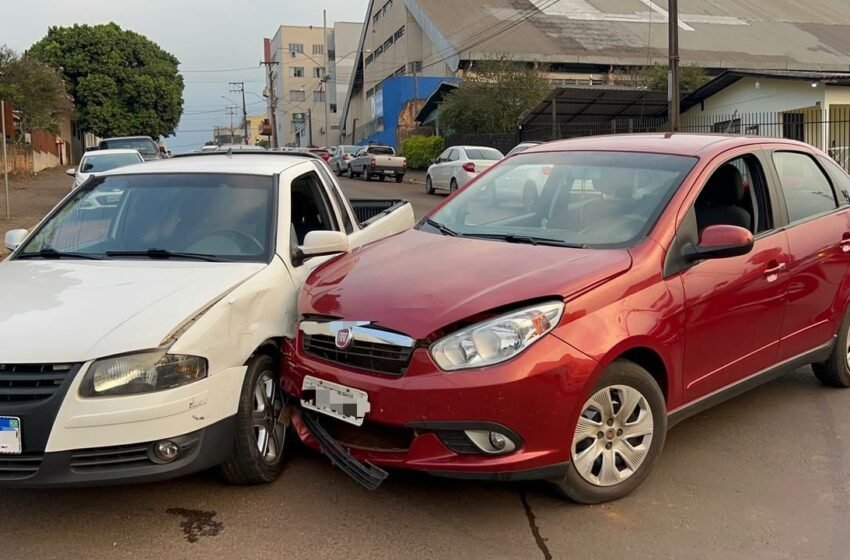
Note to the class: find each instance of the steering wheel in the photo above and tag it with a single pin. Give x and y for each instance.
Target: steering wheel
(605, 225)
(246, 242)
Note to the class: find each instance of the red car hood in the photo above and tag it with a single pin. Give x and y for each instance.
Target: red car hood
(418, 282)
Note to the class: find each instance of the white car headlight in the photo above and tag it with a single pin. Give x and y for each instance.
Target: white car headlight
(144, 372)
(496, 340)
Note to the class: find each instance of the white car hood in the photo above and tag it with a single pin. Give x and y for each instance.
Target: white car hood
(74, 311)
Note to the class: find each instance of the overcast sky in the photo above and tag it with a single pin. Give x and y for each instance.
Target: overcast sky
(203, 34)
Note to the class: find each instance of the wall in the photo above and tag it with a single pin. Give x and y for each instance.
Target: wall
(771, 96)
(396, 93)
(346, 38)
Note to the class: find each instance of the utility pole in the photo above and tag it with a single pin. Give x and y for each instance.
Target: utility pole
(310, 125)
(5, 157)
(270, 64)
(673, 73)
(326, 78)
(239, 87)
(231, 111)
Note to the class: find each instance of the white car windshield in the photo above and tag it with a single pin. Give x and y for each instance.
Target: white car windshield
(226, 217)
(144, 146)
(98, 163)
(581, 199)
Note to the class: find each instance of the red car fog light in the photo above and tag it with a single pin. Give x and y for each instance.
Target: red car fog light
(493, 443)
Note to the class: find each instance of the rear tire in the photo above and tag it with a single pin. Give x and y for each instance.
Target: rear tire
(429, 185)
(365, 175)
(399, 178)
(835, 372)
(343, 172)
(257, 426)
(614, 463)
(453, 186)
(383, 178)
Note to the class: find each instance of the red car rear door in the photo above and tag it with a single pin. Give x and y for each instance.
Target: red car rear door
(819, 244)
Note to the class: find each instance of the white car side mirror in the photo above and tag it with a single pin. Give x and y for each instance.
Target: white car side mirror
(322, 243)
(72, 172)
(14, 238)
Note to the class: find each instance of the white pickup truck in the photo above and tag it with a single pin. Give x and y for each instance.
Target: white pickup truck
(142, 338)
(378, 161)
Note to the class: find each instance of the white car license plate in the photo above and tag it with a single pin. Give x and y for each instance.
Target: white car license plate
(335, 400)
(10, 435)
(388, 172)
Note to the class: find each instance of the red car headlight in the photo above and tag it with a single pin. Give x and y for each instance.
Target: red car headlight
(496, 340)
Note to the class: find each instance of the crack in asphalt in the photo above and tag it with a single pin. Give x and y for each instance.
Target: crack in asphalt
(535, 530)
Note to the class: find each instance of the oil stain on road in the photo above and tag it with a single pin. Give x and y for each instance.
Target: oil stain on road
(197, 523)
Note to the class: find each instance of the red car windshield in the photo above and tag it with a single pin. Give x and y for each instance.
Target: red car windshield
(570, 198)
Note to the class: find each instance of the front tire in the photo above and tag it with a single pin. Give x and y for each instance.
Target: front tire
(835, 372)
(260, 446)
(618, 437)
(429, 185)
(399, 178)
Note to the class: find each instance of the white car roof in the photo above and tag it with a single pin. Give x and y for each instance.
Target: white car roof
(116, 151)
(245, 163)
(472, 148)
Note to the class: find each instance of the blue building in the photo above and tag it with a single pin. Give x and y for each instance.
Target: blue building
(387, 103)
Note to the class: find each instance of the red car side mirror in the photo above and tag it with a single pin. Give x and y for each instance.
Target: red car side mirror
(721, 242)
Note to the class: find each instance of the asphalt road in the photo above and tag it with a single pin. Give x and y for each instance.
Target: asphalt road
(764, 476)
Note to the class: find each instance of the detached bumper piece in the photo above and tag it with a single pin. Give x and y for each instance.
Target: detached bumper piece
(365, 474)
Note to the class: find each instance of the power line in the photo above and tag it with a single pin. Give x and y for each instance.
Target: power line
(214, 70)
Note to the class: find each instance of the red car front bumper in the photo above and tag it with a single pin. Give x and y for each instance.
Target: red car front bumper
(416, 419)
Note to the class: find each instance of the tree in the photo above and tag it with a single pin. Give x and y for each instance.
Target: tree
(35, 89)
(122, 83)
(655, 77)
(493, 98)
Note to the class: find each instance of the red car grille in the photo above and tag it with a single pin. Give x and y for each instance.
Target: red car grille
(381, 358)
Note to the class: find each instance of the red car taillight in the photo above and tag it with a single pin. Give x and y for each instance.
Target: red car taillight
(346, 157)
(373, 163)
(404, 163)
(469, 167)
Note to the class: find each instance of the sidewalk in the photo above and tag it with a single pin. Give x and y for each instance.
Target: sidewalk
(31, 198)
(415, 177)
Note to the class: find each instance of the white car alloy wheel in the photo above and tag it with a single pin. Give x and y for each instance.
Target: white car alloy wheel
(268, 405)
(613, 435)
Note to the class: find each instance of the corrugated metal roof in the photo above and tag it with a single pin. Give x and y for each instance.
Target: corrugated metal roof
(757, 34)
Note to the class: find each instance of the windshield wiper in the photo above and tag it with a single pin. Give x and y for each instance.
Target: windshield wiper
(526, 239)
(51, 253)
(444, 229)
(155, 253)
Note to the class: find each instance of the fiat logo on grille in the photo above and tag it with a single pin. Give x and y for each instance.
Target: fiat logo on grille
(344, 337)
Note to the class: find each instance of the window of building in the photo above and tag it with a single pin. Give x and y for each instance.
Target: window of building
(298, 117)
(317, 72)
(318, 95)
(415, 66)
(399, 72)
(333, 108)
(331, 54)
(388, 43)
(399, 34)
(318, 49)
(296, 71)
(376, 18)
(369, 60)
(296, 47)
(371, 92)
(806, 188)
(335, 126)
(297, 95)
(378, 87)
(728, 127)
(378, 51)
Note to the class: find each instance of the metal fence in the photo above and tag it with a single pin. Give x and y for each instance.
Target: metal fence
(828, 130)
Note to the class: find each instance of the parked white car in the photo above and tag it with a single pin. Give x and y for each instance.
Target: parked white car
(102, 161)
(459, 165)
(141, 341)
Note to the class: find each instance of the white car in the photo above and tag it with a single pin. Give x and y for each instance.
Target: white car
(141, 341)
(101, 161)
(459, 165)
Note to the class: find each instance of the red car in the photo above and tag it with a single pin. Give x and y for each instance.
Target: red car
(655, 276)
(321, 152)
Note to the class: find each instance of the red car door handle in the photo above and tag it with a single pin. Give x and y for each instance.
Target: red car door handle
(845, 243)
(773, 271)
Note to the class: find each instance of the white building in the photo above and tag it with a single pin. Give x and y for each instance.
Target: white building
(311, 69)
